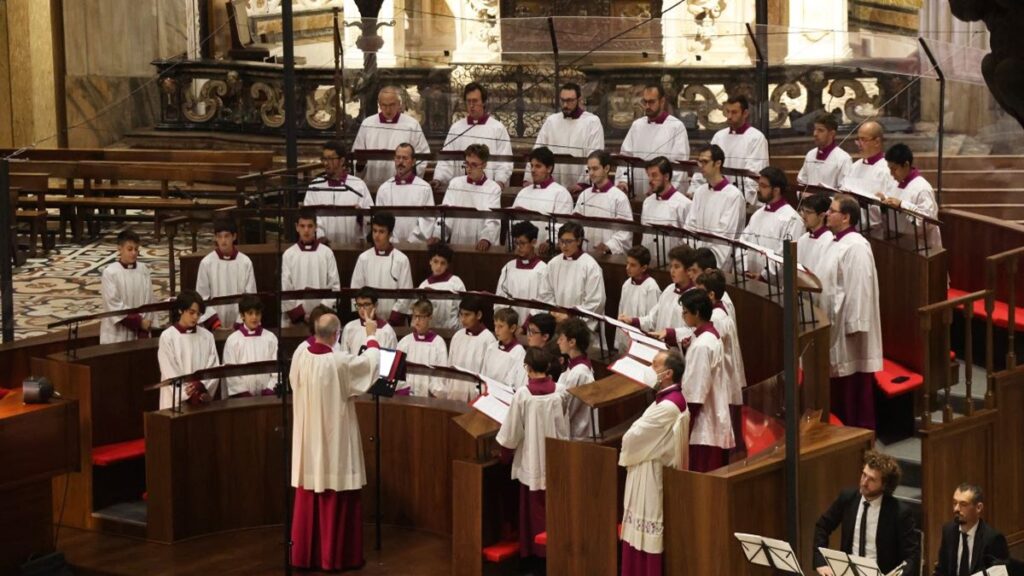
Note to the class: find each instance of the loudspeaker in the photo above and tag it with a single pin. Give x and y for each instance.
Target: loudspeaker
(36, 390)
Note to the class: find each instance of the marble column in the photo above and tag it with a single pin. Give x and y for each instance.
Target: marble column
(30, 57)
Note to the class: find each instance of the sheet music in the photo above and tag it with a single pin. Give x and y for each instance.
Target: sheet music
(861, 187)
(499, 390)
(897, 571)
(628, 328)
(642, 351)
(493, 408)
(647, 340)
(993, 571)
(634, 370)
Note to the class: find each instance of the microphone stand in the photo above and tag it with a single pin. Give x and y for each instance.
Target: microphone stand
(382, 387)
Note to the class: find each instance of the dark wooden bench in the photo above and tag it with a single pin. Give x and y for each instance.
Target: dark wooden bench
(257, 160)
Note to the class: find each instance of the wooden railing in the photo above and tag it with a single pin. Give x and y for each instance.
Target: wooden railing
(1011, 261)
(932, 382)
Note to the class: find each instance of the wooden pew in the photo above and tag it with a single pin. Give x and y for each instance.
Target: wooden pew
(703, 511)
(257, 160)
(38, 443)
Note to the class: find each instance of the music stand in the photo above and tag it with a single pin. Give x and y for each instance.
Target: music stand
(391, 370)
(776, 554)
(842, 564)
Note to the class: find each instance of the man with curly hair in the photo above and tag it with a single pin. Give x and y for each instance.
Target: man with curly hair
(875, 524)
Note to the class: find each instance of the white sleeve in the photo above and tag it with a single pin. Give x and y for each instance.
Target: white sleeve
(358, 273)
(421, 146)
(360, 141)
(491, 228)
(646, 437)
(212, 361)
(333, 280)
(444, 170)
(112, 297)
(680, 151)
(203, 280)
(801, 177)
(404, 281)
(512, 430)
(287, 284)
(358, 373)
(167, 359)
(621, 240)
(250, 278)
(625, 149)
(697, 378)
(502, 280)
(593, 297)
(859, 291)
(425, 225)
(502, 147)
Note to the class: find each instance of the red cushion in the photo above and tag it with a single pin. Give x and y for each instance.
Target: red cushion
(890, 371)
(759, 431)
(1000, 311)
(118, 452)
(3, 392)
(541, 539)
(834, 420)
(501, 551)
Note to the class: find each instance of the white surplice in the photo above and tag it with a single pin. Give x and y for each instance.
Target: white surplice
(649, 138)
(244, 347)
(383, 269)
(577, 135)
(224, 275)
(492, 133)
(181, 353)
(427, 349)
(123, 288)
(377, 133)
(305, 266)
(349, 191)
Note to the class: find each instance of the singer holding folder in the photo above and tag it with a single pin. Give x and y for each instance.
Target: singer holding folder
(969, 544)
(874, 523)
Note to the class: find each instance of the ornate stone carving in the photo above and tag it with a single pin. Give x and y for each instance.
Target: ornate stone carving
(320, 109)
(862, 106)
(270, 101)
(208, 103)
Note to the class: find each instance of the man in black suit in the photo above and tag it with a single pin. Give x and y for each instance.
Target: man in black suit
(986, 546)
(875, 524)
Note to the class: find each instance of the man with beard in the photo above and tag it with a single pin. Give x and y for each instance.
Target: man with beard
(745, 147)
(875, 524)
(826, 164)
(969, 544)
(773, 222)
(657, 133)
(573, 131)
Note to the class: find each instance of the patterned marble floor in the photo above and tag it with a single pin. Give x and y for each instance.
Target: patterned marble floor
(66, 282)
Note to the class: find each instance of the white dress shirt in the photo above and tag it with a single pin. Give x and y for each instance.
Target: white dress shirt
(874, 508)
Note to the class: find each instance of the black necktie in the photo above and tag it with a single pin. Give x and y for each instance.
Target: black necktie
(965, 556)
(862, 551)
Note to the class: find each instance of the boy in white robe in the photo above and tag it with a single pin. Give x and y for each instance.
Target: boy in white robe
(705, 387)
(544, 195)
(659, 438)
(407, 189)
(772, 223)
(467, 349)
(224, 272)
(477, 127)
(640, 292)
(817, 239)
(307, 264)
(250, 343)
(704, 260)
(869, 176)
(910, 191)
(185, 348)
(353, 336)
(713, 282)
(384, 131)
(524, 276)
(718, 206)
(573, 277)
(503, 360)
(663, 319)
(850, 297)
(540, 333)
(534, 416)
(422, 346)
(336, 187)
(826, 164)
(745, 147)
(474, 190)
(328, 471)
(446, 312)
(125, 285)
(571, 131)
(656, 133)
(574, 341)
(663, 206)
(603, 200)
(384, 267)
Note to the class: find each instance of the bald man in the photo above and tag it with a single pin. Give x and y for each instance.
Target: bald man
(385, 131)
(869, 176)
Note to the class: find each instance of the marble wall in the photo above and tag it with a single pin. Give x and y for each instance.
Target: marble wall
(6, 120)
(110, 82)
